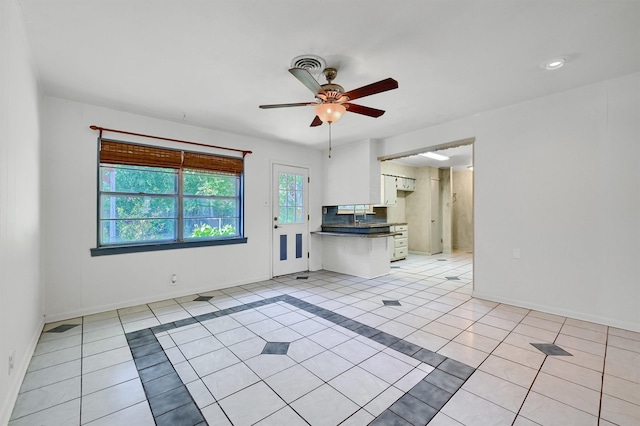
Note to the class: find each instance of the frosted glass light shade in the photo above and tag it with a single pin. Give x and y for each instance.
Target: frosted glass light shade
(330, 113)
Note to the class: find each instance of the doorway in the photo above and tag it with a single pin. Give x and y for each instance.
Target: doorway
(440, 210)
(290, 187)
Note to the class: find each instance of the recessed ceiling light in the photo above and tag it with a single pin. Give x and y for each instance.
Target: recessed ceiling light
(435, 156)
(554, 63)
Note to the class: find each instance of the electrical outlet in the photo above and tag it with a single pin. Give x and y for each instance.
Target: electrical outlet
(11, 358)
(174, 279)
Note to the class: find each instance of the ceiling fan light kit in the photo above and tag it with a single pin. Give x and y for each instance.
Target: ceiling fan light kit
(331, 100)
(330, 113)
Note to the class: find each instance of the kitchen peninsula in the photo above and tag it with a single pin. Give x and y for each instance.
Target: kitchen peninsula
(361, 250)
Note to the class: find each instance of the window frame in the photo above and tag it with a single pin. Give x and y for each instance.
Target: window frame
(180, 241)
(356, 209)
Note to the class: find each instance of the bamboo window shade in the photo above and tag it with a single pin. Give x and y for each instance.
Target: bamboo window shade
(216, 163)
(142, 155)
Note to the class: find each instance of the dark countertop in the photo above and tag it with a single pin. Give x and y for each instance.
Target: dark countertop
(360, 225)
(353, 234)
(363, 225)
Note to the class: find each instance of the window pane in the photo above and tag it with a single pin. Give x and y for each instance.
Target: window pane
(291, 198)
(212, 184)
(137, 207)
(211, 227)
(137, 179)
(137, 231)
(210, 207)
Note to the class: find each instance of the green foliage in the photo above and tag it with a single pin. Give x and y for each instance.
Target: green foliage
(206, 230)
(202, 183)
(290, 197)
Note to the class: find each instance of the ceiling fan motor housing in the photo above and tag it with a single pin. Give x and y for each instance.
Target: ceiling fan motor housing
(332, 95)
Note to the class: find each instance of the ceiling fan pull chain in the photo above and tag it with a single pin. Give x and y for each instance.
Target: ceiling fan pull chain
(329, 139)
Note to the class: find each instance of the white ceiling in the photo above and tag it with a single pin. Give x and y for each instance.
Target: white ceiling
(211, 63)
(460, 158)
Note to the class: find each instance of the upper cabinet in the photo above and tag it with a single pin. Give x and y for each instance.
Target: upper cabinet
(390, 185)
(388, 190)
(351, 175)
(405, 184)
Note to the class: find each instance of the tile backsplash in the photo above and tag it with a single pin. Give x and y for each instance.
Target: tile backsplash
(331, 217)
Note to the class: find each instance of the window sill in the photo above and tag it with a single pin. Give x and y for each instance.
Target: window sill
(107, 251)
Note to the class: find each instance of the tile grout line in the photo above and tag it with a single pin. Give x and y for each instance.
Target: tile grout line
(604, 363)
(537, 373)
(82, 368)
(122, 325)
(324, 313)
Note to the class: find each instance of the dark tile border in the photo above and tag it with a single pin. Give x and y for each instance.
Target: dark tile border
(169, 398)
(550, 349)
(62, 328)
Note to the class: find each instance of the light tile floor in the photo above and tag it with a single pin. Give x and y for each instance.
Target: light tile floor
(442, 357)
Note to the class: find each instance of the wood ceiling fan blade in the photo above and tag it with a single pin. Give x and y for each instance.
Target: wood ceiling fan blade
(287, 105)
(316, 122)
(359, 109)
(372, 89)
(307, 79)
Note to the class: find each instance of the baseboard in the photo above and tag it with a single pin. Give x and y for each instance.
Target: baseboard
(612, 322)
(12, 394)
(143, 300)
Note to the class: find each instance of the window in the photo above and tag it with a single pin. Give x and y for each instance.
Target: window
(151, 196)
(290, 198)
(356, 209)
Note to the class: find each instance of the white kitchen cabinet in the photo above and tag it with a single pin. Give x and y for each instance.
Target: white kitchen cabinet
(359, 255)
(405, 184)
(389, 190)
(352, 175)
(400, 242)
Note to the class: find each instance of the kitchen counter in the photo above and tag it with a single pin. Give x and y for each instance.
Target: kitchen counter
(355, 234)
(359, 225)
(366, 255)
(360, 228)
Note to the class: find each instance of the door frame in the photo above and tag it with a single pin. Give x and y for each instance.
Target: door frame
(432, 250)
(272, 190)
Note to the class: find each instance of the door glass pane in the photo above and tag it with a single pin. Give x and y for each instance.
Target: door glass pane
(291, 198)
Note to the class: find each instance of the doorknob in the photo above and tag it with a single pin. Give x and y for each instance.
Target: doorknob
(433, 220)
(275, 218)
(275, 226)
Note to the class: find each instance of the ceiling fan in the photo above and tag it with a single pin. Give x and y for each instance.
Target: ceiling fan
(331, 99)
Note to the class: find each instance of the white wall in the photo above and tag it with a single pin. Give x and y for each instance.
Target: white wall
(557, 178)
(352, 174)
(462, 227)
(21, 295)
(78, 284)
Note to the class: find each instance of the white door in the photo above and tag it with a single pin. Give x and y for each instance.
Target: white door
(436, 221)
(290, 219)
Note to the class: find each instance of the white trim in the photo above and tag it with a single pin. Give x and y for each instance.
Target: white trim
(14, 391)
(144, 300)
(612, 322)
